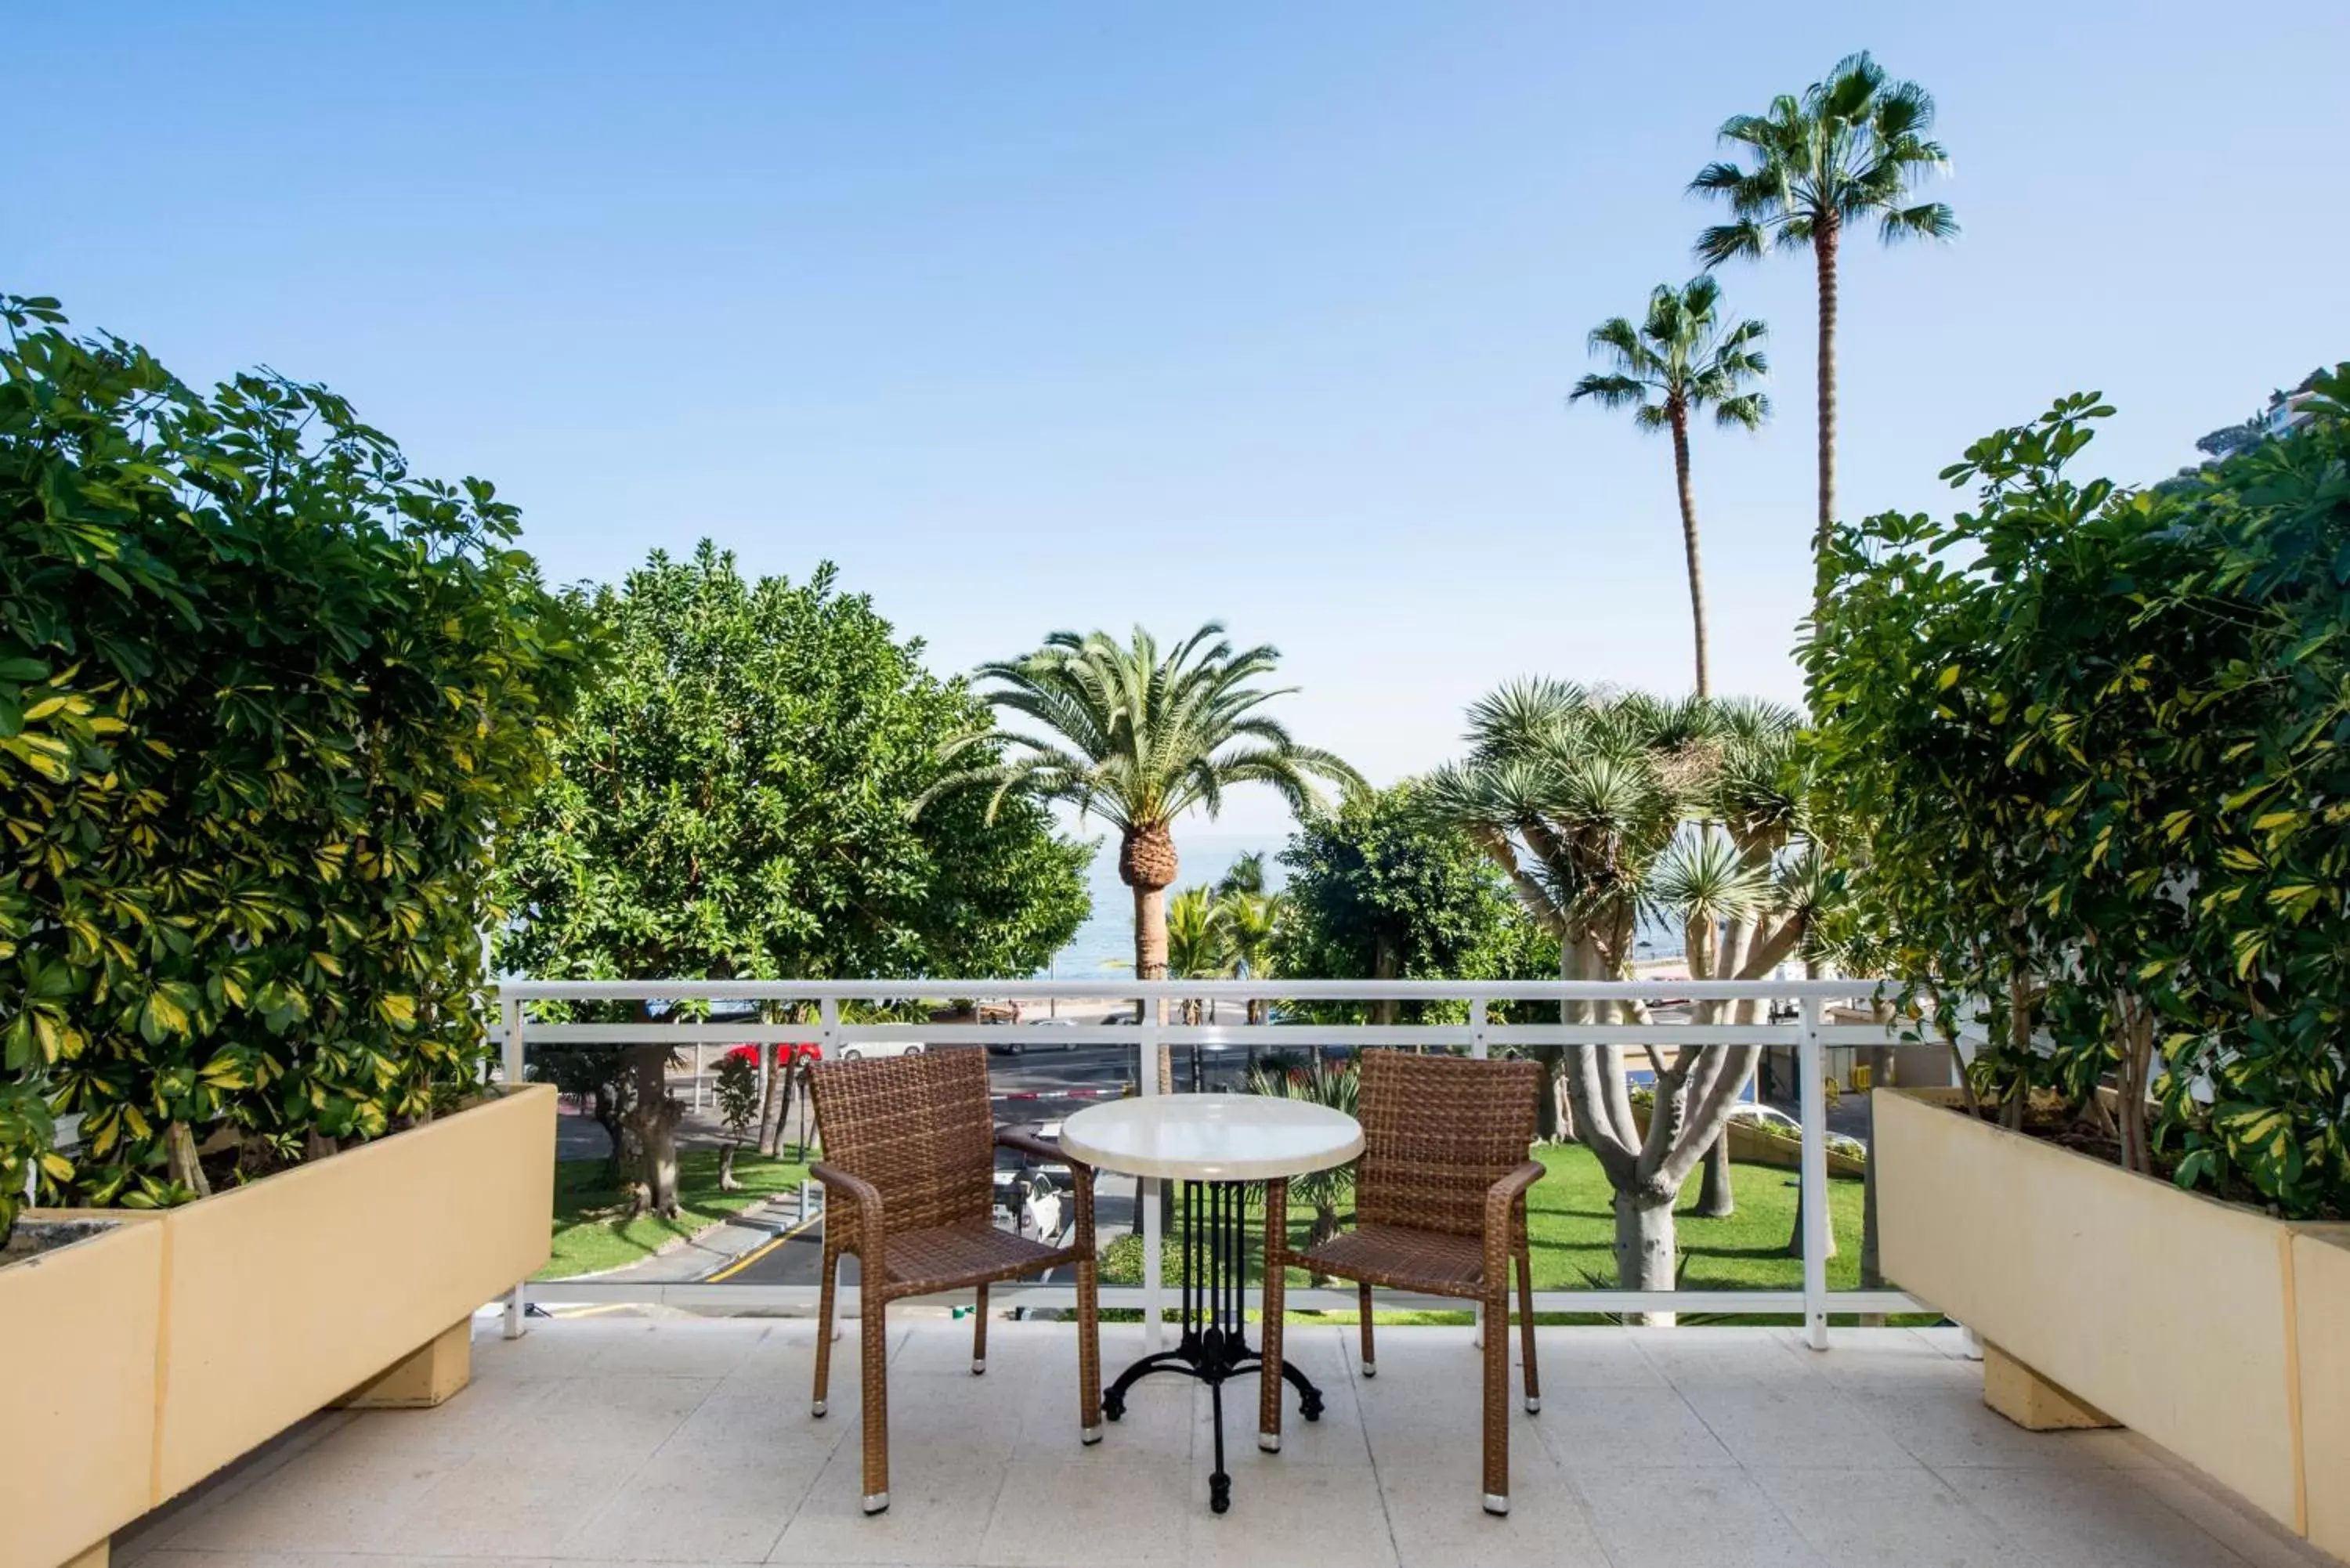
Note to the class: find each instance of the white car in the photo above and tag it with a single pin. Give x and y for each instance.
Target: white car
(1772, 1119)
(857, 1050)
(1018, 1044)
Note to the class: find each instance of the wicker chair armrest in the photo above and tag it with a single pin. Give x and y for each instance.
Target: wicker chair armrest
(862, 1195)
(1511, 1190)
(1501, 1200)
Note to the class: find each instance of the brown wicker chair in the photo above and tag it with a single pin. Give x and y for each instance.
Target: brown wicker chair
(1440, 1209)
(908, 1169)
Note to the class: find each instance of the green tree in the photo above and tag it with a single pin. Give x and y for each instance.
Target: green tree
(1380, 889)
(1252, 924)
(738, 1106)
(736, 801)
(2092, 741)
(1682, 358)
(1597, 808)
(1197, 948)
(1844, 153)
(1245, 875)
(1138, 739)
(266, 700)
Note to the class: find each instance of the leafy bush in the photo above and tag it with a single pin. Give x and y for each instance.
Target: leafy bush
(266, 700)
(736, 801)
(2097, 741)
(1379, 890)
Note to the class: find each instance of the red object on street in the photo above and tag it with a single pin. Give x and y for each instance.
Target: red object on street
(806, 1051)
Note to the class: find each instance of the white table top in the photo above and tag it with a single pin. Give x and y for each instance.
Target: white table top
(1212, 1137)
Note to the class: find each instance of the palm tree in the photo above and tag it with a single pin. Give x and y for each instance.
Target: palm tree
(1843, 153)
(1682, 358)
(1245, 875)
(1196, 948)
(1251, 920)
(1138, 739)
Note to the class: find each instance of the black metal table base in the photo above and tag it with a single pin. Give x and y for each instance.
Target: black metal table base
(1213, 1318)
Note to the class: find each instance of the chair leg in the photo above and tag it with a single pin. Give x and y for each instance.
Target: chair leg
(1089, 1410)
(1526, 1329)
(1370, 1362)
(1497, 1398)
(873, 1356)
(979, 1334)
(824, 1331)
(1276, 1291)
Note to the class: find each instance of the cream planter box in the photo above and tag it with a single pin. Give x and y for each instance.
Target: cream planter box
(2177, 1314)
(287, 1295)
(2320, 1278)
(141, 1360)
(78, 1331)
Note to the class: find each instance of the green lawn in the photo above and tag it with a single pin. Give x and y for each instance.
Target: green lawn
(1571, 1232)
(590, 1235)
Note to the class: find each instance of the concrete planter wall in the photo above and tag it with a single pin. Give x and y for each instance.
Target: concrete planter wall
(262, 1304)
(2216, 1331)
(78, 1332)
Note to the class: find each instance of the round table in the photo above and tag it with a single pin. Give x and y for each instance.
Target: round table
(1214, 1144)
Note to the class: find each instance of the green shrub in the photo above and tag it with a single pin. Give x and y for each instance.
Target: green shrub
(266, 701)
(2095, 739)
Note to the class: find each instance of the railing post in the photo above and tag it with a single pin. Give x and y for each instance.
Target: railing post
(1477, 1052)
(1146, 1188)
(827, 1023)
(511, 1009)
(1812, 1189)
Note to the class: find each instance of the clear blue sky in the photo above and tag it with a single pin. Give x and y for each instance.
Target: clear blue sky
(1041, 315)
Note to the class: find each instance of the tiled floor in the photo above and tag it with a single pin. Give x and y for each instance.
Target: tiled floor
(680, 1440)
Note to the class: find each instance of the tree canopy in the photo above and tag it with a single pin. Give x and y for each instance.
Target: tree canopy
(2092, 740)
(1380, 889)
(737, 799)
(266, 699)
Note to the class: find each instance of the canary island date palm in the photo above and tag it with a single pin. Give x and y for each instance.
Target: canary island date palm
(1846, 153)
(1682, 358)
(1597, 807)
(1136, 738)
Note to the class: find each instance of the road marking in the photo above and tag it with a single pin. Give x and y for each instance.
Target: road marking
(761, 1251)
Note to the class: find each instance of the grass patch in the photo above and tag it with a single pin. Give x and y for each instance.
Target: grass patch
(1571, 1237)
(591, 1234)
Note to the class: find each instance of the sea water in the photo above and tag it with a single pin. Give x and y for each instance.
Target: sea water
(1103, 948)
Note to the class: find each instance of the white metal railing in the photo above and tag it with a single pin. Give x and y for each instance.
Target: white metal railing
(1479, 1036)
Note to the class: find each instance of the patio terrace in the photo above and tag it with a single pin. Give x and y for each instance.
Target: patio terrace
(667, 1439)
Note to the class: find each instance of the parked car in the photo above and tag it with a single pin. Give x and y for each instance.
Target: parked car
(1768, 1118)
(1016, 1044)
(857, 1050)
(1778, 1124)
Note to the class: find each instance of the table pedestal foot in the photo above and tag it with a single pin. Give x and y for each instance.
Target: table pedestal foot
(1214, 1322)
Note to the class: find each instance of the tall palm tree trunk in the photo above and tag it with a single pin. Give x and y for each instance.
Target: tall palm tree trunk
(1824, 250)
(1148, 864)
(1688, 540)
